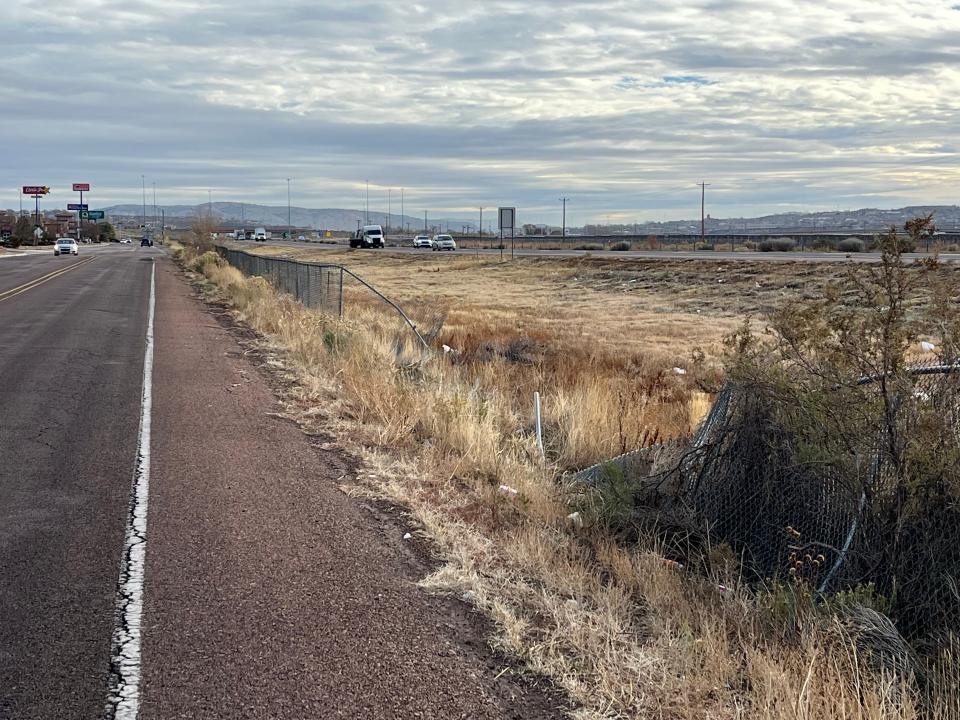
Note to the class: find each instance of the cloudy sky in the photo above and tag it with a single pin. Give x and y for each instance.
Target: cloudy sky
(620, 105)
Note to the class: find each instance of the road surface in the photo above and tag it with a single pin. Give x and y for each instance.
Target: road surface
(267, 592)
(709, 255)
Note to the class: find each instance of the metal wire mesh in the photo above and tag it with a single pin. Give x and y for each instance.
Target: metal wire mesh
(880, 521)
(316, 285)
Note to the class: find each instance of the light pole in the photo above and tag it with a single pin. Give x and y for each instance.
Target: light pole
(563, 231)
(424, 222)
(401, 211)
(289, 227)
(154, 204)
(389, 210)
(366, 211)
(143, 187)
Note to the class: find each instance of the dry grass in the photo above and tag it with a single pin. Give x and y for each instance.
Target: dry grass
(622, 632)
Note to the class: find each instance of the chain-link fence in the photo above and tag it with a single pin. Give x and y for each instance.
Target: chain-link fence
(876, 514)
(317, 286)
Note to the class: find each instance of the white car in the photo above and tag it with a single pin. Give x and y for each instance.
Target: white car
(126, 241)
(66, 246)
(422, 241)
(444, 242)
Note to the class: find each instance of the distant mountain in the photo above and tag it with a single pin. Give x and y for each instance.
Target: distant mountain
(276, 216)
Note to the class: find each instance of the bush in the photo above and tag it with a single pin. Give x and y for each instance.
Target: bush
(589, 246)
(780, 244)
(851, 245)
(621, 245)
(704, 246)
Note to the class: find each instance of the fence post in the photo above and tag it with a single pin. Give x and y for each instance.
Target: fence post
(340, 294)
(539, 425)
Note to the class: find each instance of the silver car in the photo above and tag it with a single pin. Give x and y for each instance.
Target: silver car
(66, 246)
(444, 242)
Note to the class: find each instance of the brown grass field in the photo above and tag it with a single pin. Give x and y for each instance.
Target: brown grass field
(622, 632)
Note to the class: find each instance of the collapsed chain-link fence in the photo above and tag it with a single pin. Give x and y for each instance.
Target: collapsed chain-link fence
(884, 519)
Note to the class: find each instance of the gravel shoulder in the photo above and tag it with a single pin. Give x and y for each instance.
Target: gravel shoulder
(269, 592)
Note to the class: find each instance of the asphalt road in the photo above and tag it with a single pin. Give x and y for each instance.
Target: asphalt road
(71, 349)
(709, 255)
(268, 593)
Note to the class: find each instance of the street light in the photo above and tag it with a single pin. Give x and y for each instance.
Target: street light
(289, 228)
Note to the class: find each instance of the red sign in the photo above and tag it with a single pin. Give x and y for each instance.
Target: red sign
(35, 189)
(81, 187)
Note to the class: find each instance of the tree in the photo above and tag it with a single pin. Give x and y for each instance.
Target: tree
(202, 228)
(106, 232)
(22, 232)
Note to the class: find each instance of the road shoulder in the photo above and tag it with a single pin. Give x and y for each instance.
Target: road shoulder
(269, 592)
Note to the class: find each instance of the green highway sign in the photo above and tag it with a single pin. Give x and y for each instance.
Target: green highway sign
(91, 215)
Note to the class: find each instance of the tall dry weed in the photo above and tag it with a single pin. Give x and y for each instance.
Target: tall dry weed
(625, 633)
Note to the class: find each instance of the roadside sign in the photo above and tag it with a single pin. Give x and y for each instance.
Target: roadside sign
(507, 218)
(35, 189)
(92, 215)
(77, 206)
(81, 187)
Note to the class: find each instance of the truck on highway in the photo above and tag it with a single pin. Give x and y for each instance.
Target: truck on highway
(368, 236)
(260, 234)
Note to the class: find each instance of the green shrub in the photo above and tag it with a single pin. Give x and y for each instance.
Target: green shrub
(851, 245)
(589, 246)
(704, 246)
(621, 245)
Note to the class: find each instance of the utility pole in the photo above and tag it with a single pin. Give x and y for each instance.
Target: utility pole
(154, 204)
(143, 187)
(703, 226)
(389, 210)
(289, 227)
(401, 211)
(366, 212)
(425, 222)
(563, 231)
(480, 229)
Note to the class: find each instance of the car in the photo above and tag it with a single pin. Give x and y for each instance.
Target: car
(66, 246)
(444, 242)
(302, 237)
(422, 241)
(146, 242)
(126, 241)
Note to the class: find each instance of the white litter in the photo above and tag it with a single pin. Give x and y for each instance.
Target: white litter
(928, 346)
(575, 518)
(447, 348)
(407, 536)
(508, 491)
(679, 371)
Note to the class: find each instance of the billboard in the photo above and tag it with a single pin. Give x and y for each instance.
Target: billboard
(81, 187)
(77, 206)
(35, 189)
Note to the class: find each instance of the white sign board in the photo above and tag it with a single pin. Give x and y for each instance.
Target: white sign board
(507, 218)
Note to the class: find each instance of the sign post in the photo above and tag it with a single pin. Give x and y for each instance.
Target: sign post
(80, 188)
(508, 217)
(37, 192)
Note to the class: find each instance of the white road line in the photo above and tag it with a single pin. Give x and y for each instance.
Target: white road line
(123, 701)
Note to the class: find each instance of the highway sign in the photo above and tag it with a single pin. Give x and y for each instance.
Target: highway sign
(81, 187)
(92, 215)
(507, 218)
(77, 206)
(35, 189)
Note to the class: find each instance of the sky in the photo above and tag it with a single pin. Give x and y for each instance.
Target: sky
(622, 106)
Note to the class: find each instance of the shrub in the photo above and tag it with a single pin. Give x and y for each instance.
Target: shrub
(704, 246)
(780, 244)
(621, 245)
(851, 245)
(589, 246)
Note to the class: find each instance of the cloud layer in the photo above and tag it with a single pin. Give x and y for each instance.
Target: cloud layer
(621, 106)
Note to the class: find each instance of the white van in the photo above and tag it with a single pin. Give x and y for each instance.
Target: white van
(368, 236)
